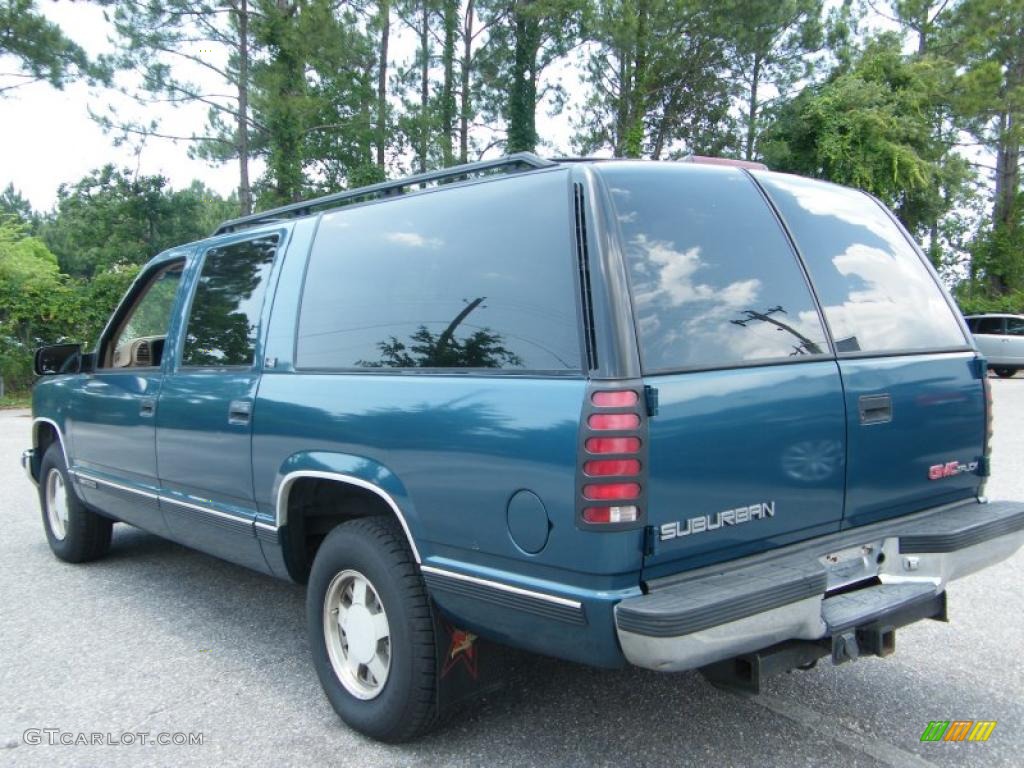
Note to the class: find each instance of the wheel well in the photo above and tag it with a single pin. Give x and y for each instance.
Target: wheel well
(315, 506)
(46, 435)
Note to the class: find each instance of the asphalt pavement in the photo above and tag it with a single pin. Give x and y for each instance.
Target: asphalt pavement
(158, 639)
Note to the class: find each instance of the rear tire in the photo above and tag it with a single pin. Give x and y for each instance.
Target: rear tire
(371, 631)
(75, 533)
(1004, 373)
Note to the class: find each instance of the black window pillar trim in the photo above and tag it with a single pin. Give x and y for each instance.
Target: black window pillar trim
(618, 355)
(801, 262)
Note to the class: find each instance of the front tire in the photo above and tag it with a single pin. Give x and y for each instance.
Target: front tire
(75, 533)
(371, 631)
(1004, 373)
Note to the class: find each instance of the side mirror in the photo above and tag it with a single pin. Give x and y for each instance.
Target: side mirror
(58, 358)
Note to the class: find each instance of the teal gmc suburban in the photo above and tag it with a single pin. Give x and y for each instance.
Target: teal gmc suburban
(690, 415)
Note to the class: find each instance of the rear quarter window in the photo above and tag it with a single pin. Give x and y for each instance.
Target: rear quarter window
(479, 276)
(875, 290)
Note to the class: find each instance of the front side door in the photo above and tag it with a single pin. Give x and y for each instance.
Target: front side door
(204, 418)
(113, 413)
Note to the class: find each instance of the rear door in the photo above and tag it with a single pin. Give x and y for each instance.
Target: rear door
(746, 450)
(990, 336)
(915, 401)
(204, 417)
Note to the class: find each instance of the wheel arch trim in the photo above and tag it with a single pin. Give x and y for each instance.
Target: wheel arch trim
(285, 486)
(60, 437)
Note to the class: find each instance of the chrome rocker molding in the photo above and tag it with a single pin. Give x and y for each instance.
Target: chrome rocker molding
(804, 619)
(286, 484)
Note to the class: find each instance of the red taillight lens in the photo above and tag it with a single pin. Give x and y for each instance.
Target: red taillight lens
(614, 421)
(626, 514)
(621, 399)
(611, 491)
(613, 444)
(612, 467)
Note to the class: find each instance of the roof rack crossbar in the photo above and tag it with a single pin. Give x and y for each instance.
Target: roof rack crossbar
(520, 161)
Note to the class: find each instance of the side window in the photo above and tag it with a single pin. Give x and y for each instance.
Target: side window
(224, 319)
(138, 341)
(1015, 326)
(877, 294)
(988, 325)
(470, 277)
(714, 281)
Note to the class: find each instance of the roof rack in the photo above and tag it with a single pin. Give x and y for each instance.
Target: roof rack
(515, 163)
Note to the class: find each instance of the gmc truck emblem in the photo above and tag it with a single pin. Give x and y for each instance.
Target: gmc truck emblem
(950, 468)
(706, 523)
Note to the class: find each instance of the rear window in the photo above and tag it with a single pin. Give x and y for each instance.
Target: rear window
(714, 281)
(876, 292)
(479, 276)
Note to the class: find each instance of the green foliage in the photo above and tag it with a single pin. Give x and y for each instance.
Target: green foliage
(658, 79)
(872, 125)
(41, 49)
(111, 216)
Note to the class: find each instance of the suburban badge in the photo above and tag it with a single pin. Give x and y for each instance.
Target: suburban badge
(706, 523)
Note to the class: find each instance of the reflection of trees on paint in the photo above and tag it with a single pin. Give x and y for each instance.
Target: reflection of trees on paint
(225, 312)
(482, 349)
(805, 347)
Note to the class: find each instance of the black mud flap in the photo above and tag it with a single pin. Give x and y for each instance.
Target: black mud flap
(468, 667)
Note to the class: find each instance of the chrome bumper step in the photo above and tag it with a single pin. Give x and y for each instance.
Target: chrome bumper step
(809, 591)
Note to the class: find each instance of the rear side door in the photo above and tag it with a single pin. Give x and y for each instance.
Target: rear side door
(204, 418)
(915, 401)
(746, 449)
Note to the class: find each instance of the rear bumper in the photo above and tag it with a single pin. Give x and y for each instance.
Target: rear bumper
(695, 619)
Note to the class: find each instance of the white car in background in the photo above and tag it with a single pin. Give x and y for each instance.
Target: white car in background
(1001, 339)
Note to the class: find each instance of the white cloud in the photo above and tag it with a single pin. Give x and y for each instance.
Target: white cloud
(412, 240)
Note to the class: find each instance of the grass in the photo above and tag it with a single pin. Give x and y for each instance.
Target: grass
(16, 400)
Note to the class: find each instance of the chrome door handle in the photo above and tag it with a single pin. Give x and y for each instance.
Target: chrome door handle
(147, 407)
(239, 412)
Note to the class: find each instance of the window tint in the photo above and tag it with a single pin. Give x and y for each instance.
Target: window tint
(1015, 326)
(225, 312)
(714, 281)
(472, 277)
(877, 294)
(990, 325)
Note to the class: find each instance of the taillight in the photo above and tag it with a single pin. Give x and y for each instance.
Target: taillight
(628, 514)
(620, 399)
(611, 491)
(606, 467)
(614, 421)
(610, 487)
(613, 444)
